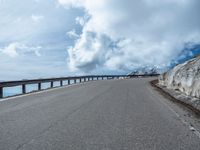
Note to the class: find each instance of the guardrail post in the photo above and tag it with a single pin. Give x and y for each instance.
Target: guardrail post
(68, 81)
(61, 82)
(39, 86)
(23, 88)
(1, 92)
(51, 84)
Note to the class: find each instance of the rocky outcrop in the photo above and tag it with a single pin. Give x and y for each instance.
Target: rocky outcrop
(184, 77)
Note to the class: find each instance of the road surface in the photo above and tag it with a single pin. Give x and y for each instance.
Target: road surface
(100, 115)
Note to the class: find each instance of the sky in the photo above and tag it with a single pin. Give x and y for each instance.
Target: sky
(54, 38)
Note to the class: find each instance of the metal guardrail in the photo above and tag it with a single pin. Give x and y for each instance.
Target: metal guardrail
(39, 82)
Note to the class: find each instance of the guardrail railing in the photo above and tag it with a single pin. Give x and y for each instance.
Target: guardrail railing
(39, 82)
(75, 79)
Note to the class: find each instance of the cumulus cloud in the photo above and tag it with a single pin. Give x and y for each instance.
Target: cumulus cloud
(15, 49)
(129, 34)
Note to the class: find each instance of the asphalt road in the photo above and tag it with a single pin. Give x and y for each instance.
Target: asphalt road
(100, 115)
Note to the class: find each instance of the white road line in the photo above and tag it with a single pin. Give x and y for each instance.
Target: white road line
(191, 128)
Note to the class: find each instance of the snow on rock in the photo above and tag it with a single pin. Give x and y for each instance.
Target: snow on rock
(145, 71)
(184, 77)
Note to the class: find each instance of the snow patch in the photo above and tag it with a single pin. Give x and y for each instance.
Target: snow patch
(184, 77)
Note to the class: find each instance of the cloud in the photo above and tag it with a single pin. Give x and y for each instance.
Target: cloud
(82, 20)
(15, 49)
(22, 39)
(37, 18)
(130, 34)
(72, 34)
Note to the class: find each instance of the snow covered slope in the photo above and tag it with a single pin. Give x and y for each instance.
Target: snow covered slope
(145, 71)
(184, 77)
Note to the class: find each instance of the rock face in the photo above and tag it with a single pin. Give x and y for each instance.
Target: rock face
(184, 77)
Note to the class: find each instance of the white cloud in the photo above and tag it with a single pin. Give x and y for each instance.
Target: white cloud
(72, 34)
(11, 50)
(37, 18)
(82, 20)
(15, 49)
(71, 3)
(130, 33)
(21, 38)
